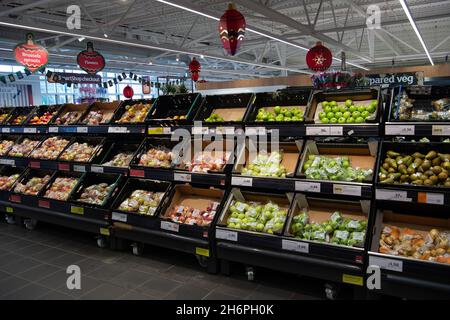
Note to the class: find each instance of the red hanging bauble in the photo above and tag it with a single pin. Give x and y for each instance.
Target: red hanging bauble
(232, 29)
(319, 58)
(33, 56)
(194, 69)
(90, 60)
(128, 92)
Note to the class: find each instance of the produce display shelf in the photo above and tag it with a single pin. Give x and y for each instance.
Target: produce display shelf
(24, 129)
(307, 260)
(166, 129)
(362, 190)
(100, 129)
(422, 195)
(283, 130)
(409, 278)
(355, 130)
(417, 129)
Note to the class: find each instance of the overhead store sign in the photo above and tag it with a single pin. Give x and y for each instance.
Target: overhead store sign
(75, 78)
(90, 60)
(391, 79)
(32, 56)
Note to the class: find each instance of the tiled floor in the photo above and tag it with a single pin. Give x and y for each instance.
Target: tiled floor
(33, 266)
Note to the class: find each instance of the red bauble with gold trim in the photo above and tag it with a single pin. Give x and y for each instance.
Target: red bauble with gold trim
(195, 68)
(128, 92)
(319, 57)
(32, 56)
(90, 60)
(232, 29)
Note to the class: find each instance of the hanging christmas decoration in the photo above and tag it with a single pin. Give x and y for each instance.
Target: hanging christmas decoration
(319, 58)
(232, 29)
(128, 92)
(31, 55)
(194, 69)
(90, 60)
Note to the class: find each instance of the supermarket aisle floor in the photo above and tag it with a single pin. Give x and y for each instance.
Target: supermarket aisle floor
(33, 265)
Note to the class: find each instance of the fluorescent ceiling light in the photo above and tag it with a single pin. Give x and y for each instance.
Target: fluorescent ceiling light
(146, 46)
(190, 10)
(413, 24)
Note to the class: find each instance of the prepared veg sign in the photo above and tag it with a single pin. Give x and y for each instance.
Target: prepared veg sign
(90, 60)
(391, 79)
(32, 56)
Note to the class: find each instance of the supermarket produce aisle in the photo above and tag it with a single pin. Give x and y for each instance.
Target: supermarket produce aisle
(33, 266)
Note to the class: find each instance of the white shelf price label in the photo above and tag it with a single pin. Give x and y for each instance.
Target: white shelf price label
(387, 264)
(170, 226)
(318, 131)
(441, 130)
(200, 130)
(307, 186)
(430, 198)
(225, 130)
(336, 131)
(97, 169)
(116, 216)
(183, 177)
(117, 130)
(347, 189)
(82, 130)
(79, 168)
(8, 162)
(296, 246)
(393, 195)
(397, 130)
(242, 181)
(53, 130)
(226, 235)
(6, 130)
(29, 130)
(255, 131)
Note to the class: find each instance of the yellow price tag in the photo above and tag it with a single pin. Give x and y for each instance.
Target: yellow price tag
(77, 210)
(9, 209)
(104, 232)
(202, 252)
(155, 131)
(355, 280)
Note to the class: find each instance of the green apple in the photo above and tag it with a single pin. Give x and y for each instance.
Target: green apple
(342, 120)
(352, 109)
(359, 120)
(279, 117)
(347, 114)
(335, 109)
(348, 103)
(374, 103)
(365, 114)
(356, 114)
(371, 108)
(283, 111)
(325, 120)
(333, 120)
(322, 115)
(277, 109)
(324, 104)
(259, 227)
(361, 108)
(338, 114)
(295, 118)
(287, 119)
(343, 108)
(351, 120)
(328, 109)
(231, 225)
(330, 115)
(333, 103)
(288, 114)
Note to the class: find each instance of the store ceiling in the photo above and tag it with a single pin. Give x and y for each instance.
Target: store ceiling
(152, 30)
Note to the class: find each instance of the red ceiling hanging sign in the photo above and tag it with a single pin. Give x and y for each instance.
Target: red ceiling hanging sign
(194, 69)
(319, 58)
(32, 56)
(90, 60)
(128, 92)
(232, 29)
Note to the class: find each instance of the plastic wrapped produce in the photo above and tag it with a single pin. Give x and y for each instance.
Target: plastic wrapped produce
(142, 202)
(193, 216)
(61, 188)
(50, 148)
(95, 194)
(6, 182)
(24, 148)
(32, 186)
(5, 146)
(255, 216)
(266, 165)
(94, 117)
(135, 113)
(156, 158)
(204, 163)
(121, 160)
(338, 169)
(68, 118)
(80, 152)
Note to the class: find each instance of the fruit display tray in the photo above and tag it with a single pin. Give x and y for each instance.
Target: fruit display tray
(121, 109)
(40, 111)
(5, 114)
(20, 111)
(81, 110)
(29, 200)
(8, 171)
(174, 105)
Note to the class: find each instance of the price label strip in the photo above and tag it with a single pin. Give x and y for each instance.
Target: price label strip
(117, 216)
(441, 130)
(183, 177)
(296, 246)
(242, 181)
(392, 195)
(318, 131)
(82, 130)
(118, 130)
(77, 210)
(96, 169)
(387, 264)
(53, 130)
(347, 189)
(307, 186)
(170, 226)
(6, 130)
(226, 235)
(430, 198)
(397, 130)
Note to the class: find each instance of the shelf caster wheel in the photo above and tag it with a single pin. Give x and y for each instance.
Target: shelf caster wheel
(138, 249)
(10, 219)
(250, 272)
(331, 291)
(101, 242)
(202, 261)
(30, 224)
